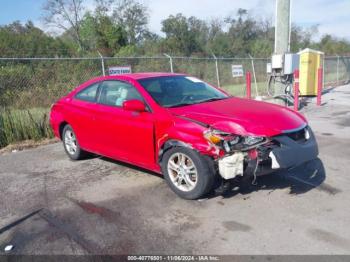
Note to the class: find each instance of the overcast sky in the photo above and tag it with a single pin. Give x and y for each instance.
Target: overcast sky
(332, 16)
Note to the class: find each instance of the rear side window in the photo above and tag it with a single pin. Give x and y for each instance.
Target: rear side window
(114, 93)
(88, 94)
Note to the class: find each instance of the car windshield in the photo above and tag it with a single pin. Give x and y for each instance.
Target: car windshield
(175, 91)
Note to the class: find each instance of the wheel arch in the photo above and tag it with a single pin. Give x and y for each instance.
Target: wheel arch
(170, 144)
(61, 127)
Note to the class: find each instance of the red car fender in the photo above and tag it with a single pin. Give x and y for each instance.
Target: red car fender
(179, 134)
(56, 119)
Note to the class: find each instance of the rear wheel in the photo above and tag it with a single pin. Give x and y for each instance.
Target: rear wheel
(71, 144)
(189, 174)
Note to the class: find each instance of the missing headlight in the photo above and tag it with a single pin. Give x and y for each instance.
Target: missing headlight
(231, 142)
(252, 140)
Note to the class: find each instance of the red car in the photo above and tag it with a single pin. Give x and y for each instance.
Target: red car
(177, 125)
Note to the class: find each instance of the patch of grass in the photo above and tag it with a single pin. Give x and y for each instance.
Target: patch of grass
(240, 89)
(18, 125)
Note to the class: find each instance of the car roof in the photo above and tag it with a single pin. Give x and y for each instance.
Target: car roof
(137, 76)
(132, 76)
(149, 75)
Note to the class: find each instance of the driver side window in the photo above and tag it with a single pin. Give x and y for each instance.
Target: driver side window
(115, 93)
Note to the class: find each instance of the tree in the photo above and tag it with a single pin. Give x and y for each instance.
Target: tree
(218, 41)
(131, 15)
(17, 40)
(100, 33)
(65, 15)
(185, 35)
(302, 37)
(333, 46)
(103, 6)
(243, 30)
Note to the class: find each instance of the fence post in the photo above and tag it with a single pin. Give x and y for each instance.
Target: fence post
(337, 70)
(171, 62)
(102, 64)
(248, 80)
(319, 85)
(217, 70)
(296, 90)
(253, 67)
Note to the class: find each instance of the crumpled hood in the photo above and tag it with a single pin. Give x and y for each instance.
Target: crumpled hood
(243, 116)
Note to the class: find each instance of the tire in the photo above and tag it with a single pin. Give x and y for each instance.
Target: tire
(185, 182)
(72, 146)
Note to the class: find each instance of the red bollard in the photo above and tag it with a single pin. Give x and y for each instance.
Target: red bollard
(248, 79)
(319, 85)
(296, 90)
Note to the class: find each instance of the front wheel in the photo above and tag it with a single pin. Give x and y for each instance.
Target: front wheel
(189, 174)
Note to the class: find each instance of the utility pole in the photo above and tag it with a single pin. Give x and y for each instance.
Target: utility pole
(282, 34)
(282, 26)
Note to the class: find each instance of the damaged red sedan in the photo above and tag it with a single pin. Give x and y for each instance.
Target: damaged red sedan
(177, 125)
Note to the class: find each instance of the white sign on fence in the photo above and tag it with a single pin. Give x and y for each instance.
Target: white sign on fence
(237, 71)
(119, 70)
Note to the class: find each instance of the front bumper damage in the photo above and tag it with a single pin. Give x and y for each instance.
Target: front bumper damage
(285, 151)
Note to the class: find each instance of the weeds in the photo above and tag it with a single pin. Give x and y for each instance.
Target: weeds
(18, 125)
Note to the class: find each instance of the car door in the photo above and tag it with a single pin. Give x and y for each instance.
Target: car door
(81, 116)
(123, 134)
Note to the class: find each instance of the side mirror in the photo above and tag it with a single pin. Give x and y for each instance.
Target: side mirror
(134, 105)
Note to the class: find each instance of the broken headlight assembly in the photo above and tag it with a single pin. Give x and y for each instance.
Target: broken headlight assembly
(230, 142)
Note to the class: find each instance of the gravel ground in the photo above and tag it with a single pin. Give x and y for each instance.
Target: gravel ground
(100, 206)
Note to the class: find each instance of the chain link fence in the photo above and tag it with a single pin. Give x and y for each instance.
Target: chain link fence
(28, 86)
(336, 70)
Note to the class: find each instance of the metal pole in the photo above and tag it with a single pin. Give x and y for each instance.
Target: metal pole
(217, 70)
(171, 62)
(323, 71)
(248, 80)
(256, 85)
(319, 86)
(337, 70)
(296, 90)
(102, 64)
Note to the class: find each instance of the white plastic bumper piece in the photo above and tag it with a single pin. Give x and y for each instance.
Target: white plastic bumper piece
(231, 166)
(275, 164)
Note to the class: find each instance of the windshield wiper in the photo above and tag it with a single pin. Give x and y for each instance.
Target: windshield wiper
(201, 101)
(212, 99)
(181, 104)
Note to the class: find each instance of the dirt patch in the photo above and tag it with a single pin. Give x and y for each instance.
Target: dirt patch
(235, 226)
(345, 122)
(329, 189)
(91, 208)
(69, 230)
(134, 221)
(327, 134)
(27, 144)
(340, 113)
(329, 237)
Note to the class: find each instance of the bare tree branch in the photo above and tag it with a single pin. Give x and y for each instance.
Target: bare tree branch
(66, 15)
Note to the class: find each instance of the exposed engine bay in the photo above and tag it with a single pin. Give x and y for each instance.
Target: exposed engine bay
(284, 151)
